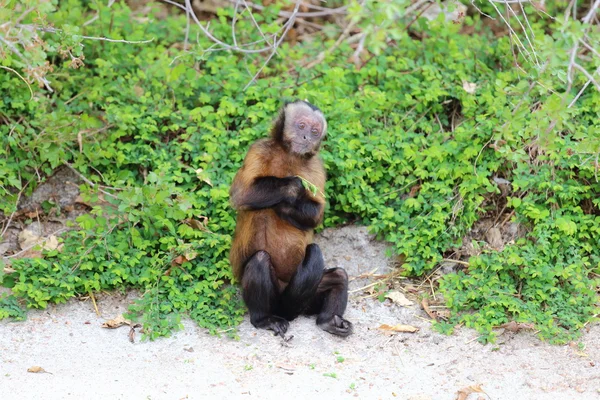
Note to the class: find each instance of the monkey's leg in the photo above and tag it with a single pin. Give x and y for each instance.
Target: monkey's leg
(261, 295)
(330, 302)
(302, 287)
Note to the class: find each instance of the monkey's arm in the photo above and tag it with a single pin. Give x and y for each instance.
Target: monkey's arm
(265, 192)
(304, 213)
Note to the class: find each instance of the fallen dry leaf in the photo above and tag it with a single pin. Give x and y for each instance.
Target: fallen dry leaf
(203, 176)
(8, 270)
(116, 322)
(425, 305)
(399, 328)
(27, 238)
(178, 260)
(399, 298)
(199, 224)
(51, 243)
(469, 87)
(513, 326)
(414, 190)
(494, 238)
(463, 393)
(32, 214)
(132, 332)
(37, 370)
(286, 367)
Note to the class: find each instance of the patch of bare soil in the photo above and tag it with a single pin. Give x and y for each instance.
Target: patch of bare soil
(64, 352)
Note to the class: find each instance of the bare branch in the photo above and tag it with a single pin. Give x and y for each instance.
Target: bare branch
(286, 14)
(38, 77)
(187, 29)
(253, 19)
(591, 13)
(590, 48)
(224, 46)
(290, 23)
(359, 48)
(86, 180)
(410, 9)
(582, 89)
(337, 43)
(109, 5)
(13, 213)
(56, 232)
(568, 10)
(233, 21)
(525, 30)
(175, 4)
(588, 75)
(571, 64)
(105, 39)
(23, 79)
(512, 31)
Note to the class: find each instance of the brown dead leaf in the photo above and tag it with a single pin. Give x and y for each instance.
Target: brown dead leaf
(37, 370)
(438, 314)
(131, 334)
(178, 260)
(399, 298)
(463, 393)
(116, 322)
(414, 190)
(32, 214)
(425, 305)
(399, 328)
(513, 326)
(199, 223)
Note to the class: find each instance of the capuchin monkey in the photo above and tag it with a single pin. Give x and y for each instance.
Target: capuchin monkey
(281, 270)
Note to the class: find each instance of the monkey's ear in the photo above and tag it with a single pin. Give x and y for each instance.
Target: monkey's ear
(278, 125)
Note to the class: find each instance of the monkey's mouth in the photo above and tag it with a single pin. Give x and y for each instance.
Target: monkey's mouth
(303, 148)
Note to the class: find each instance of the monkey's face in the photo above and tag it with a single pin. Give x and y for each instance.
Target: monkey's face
(304, 129)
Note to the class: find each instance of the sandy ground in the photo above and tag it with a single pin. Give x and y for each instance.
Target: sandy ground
(83, 360)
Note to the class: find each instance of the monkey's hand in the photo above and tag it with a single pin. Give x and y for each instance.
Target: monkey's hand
(304, 214)
(293, 190)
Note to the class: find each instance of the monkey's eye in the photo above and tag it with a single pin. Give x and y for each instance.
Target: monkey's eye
(314, 131)
(301, 125)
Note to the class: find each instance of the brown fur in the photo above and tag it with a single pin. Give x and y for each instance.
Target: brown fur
(263, 229)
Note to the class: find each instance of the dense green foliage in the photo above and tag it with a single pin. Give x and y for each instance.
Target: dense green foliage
(409, 152)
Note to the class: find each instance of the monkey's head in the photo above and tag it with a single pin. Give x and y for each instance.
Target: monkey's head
(300, 128)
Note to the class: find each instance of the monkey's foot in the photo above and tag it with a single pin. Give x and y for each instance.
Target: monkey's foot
(337, 326)
(273, 323)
